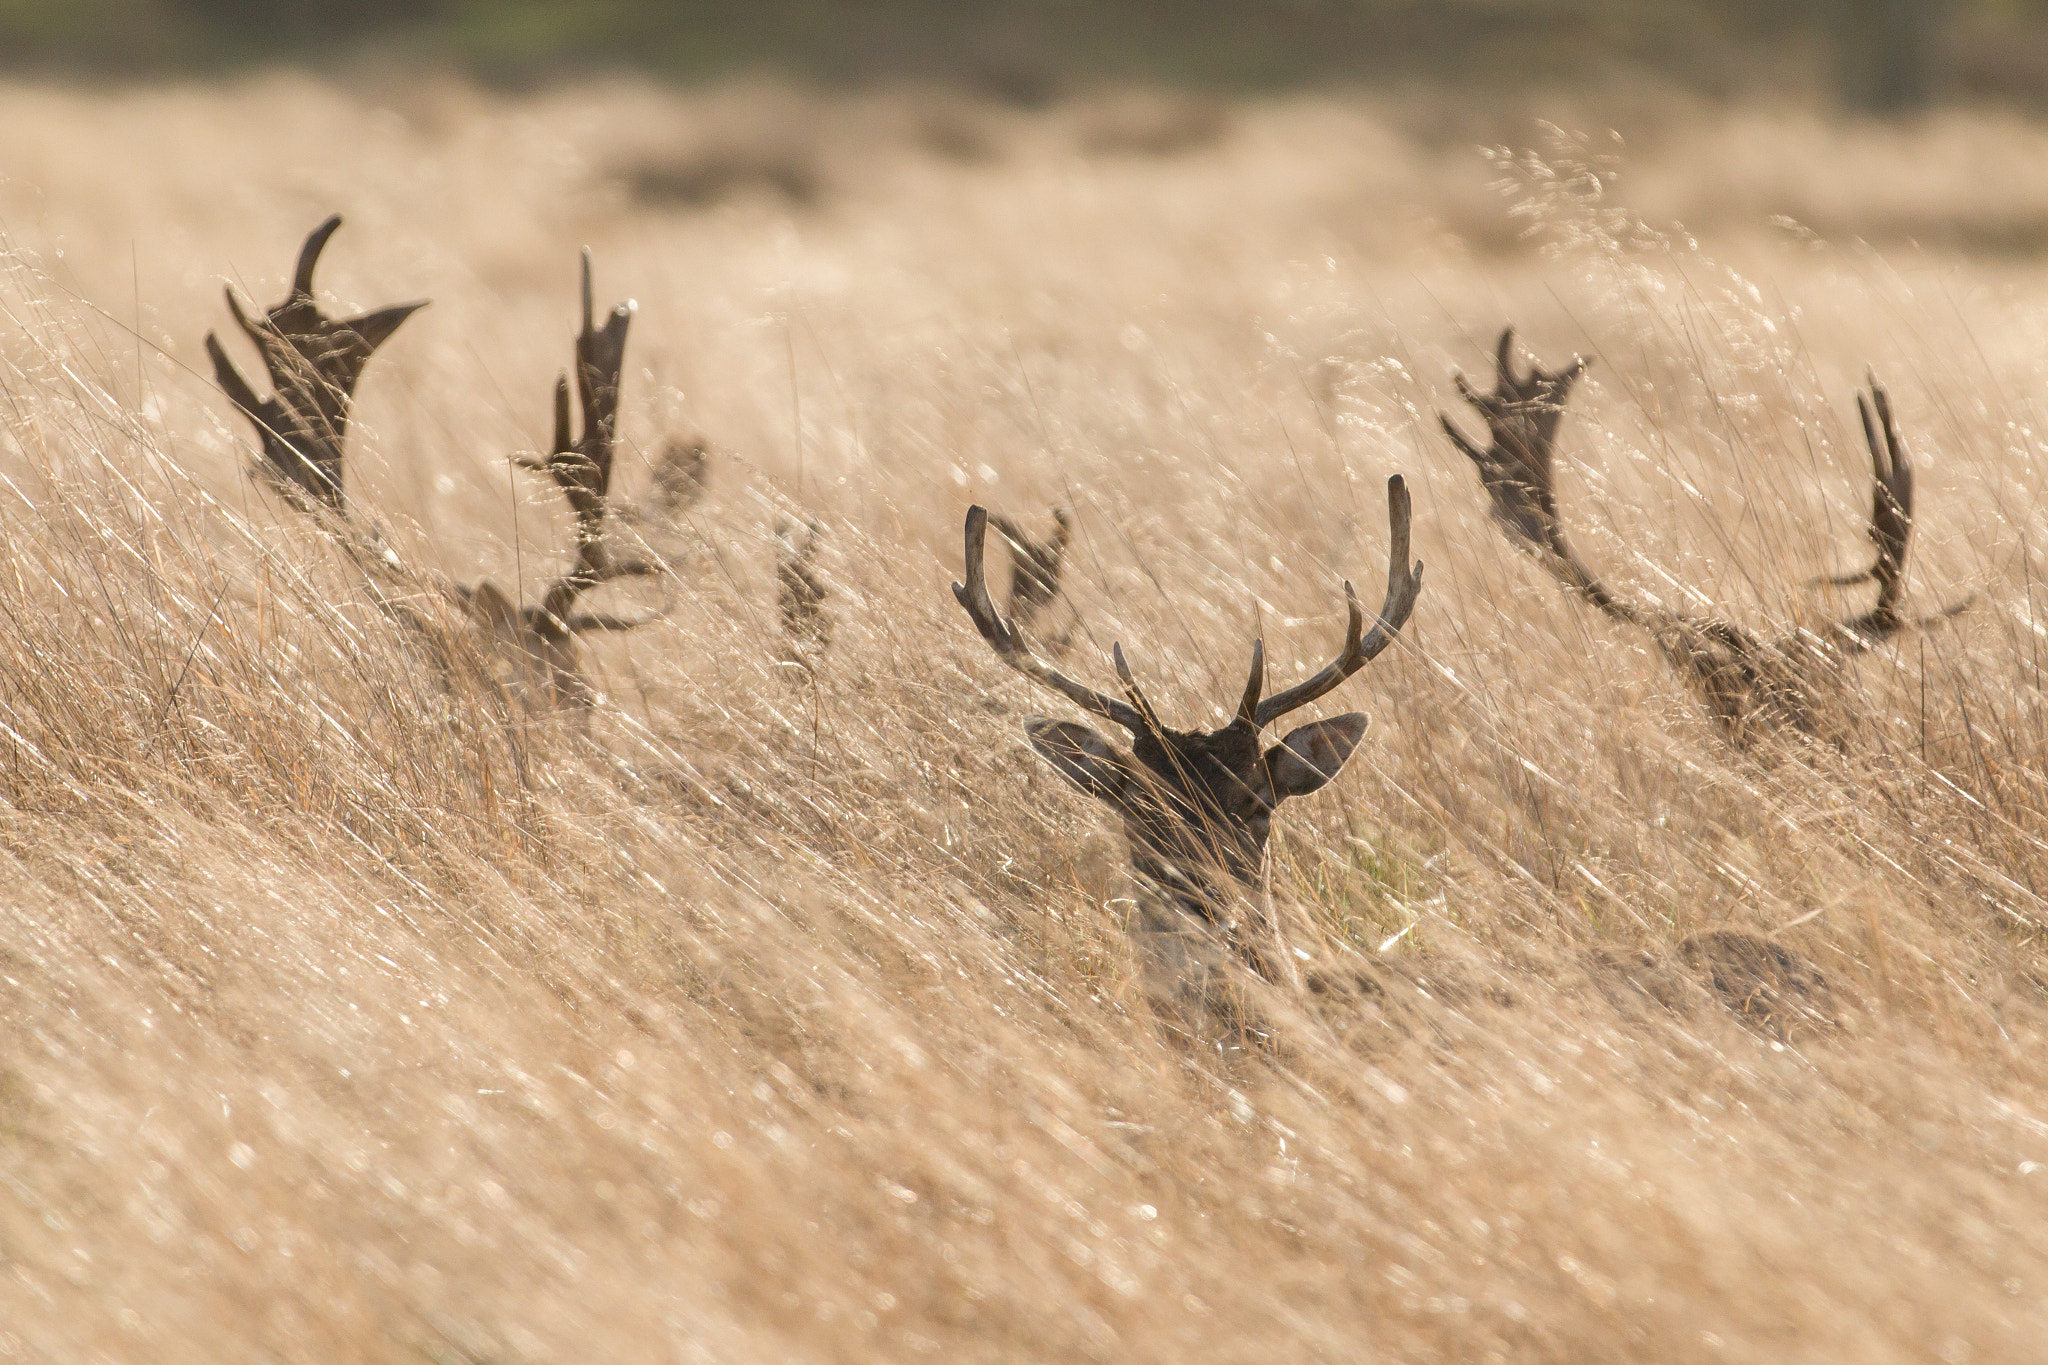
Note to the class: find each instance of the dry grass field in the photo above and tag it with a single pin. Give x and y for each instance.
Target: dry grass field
(784, 1015)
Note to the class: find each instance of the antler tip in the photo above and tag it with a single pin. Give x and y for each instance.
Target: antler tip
(309, 254)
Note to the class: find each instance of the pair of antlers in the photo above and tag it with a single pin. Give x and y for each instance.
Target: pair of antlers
(1135, 714)
(314, 362)
(1518, 471)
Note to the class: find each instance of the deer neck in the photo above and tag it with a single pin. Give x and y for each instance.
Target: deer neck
(1207, 907)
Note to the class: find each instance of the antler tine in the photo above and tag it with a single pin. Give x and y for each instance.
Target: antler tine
(601, 362)
(1123, 674)
(1891, 518)
(1504, 360)
(564, 442)
(1891, 503)
(1458, 438)
(243, 321)
(1002, 636)
(589, 294)
(262, 411)
(1404, 583)
(309, 256)
(1248, 708)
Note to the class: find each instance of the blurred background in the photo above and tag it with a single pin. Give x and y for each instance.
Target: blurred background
(1878, 55)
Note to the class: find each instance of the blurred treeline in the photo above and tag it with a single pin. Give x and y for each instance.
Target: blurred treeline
(1872, 53)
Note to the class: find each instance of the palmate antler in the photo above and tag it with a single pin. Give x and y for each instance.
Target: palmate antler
(1740, 676)
(314, 362)
(1035, 566)
(581, 466)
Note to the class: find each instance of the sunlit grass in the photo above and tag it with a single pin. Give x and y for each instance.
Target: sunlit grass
(344, 1013)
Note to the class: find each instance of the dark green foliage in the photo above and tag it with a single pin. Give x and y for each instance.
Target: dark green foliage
(1885, 55)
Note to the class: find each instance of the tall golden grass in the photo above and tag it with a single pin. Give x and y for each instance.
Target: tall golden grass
(786, 1015)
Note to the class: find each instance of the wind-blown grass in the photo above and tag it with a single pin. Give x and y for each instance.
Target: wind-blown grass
(345, 1014)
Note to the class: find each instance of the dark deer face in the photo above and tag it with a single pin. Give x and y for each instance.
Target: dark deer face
(1198, 804)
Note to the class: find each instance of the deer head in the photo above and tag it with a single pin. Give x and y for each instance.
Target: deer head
(314, 362)
(1197, 805)
(1745, 680)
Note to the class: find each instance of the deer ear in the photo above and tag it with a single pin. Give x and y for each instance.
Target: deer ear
(491, 608)
(1308, 758)
(1087, 760)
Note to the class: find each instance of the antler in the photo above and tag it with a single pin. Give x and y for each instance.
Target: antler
(1009, 645)
(1404, 583)
(1034, 566)
(582, 466)
(1518, 468)
(1891, 527)
(314, 362)
(1522, 418)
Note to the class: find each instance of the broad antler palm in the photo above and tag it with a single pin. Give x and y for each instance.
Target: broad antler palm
(1742, 677)
(314, 362)
(1034, 566)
